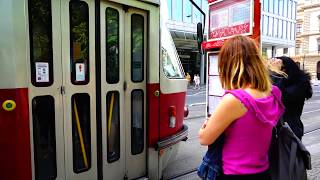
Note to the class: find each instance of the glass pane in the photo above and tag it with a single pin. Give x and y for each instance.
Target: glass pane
(40, 32)
(79, 42)
(196, 13)
(265, 5)
(44, 137)
(113, 126)
(265, 25)
(177, 13)
(81, 133)
(112, 51)
(284, 27)
(276, 7)
(289, 9)
(170, 9)
(289, 30)
(271, 6)
(275, 28)
(187, 17)
(285, 8)
(137, 123)
(137, 48)
(270, 25)
(280, 29)
(280, 7)
(171, 67)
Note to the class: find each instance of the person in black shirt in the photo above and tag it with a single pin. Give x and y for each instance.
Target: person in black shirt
(295, 88)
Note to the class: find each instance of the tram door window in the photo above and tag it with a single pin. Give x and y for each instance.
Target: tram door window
(123, 62)
(62, 93)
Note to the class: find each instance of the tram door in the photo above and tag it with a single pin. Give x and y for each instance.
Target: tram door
(123, 83)
(62, 90)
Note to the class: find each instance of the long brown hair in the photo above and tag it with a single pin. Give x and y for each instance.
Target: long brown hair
(241, 65)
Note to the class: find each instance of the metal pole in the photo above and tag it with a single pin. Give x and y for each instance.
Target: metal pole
(202, 64)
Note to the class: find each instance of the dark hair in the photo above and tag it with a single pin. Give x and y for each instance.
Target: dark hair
(295, 74)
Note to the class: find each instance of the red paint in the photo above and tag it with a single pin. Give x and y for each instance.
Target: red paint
(166, 101)
(153, 114)
(256, 29)
(15, 154)
(159, 129)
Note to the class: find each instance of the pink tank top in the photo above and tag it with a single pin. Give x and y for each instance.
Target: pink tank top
(247, 139)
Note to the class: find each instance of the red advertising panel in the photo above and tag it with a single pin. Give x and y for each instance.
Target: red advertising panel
(232, 17)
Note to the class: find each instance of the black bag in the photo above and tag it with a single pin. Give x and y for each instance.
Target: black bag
(289, 158)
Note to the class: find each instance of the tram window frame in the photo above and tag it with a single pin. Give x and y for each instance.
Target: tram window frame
(84, 48)
(84, 145)
(112, 66)
(135, 150)
(177, 67)
(43, 115)
(141, 73)
(48, 77)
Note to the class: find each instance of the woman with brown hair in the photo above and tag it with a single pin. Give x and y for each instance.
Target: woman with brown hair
(246, 113)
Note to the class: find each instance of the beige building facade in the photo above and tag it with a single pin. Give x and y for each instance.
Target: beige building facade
(307, 51)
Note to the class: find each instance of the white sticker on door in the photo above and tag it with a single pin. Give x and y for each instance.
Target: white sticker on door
(42, 72)
(80, 72)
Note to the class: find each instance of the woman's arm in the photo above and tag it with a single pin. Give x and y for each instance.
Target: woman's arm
(228, 110)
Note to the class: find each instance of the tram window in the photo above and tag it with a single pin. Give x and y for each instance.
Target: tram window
(113, 126)
(40, 32)
(137, 121)
(79, 42)
(44, 137)
(137, 48)
(81, 134)
(171, 68)
(112, 46)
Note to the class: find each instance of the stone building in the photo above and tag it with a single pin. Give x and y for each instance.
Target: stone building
(308, 37)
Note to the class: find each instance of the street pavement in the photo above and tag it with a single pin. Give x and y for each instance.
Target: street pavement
(183, 166)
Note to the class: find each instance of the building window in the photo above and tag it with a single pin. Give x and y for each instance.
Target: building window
(170, 9)
(285, 8)
(265, 5)
(270, 25)
(187, 11)
(289, 9)
(177, 13)
(280, 29)
(280, 7)
(276, 7)
(275, 27)
(318, 70)
(299, 28)
(271, 6)
(318, 41)
(196, 13)
(265, 25)
(285, 50)
(319, 22)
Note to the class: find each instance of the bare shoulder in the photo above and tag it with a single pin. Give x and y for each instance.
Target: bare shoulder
(230, 102)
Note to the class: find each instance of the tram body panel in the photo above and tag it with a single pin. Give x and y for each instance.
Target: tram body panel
(14, 125)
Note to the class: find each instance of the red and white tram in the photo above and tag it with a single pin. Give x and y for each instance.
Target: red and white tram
(89, 89)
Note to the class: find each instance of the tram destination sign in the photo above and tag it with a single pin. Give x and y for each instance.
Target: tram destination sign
(230, 17)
